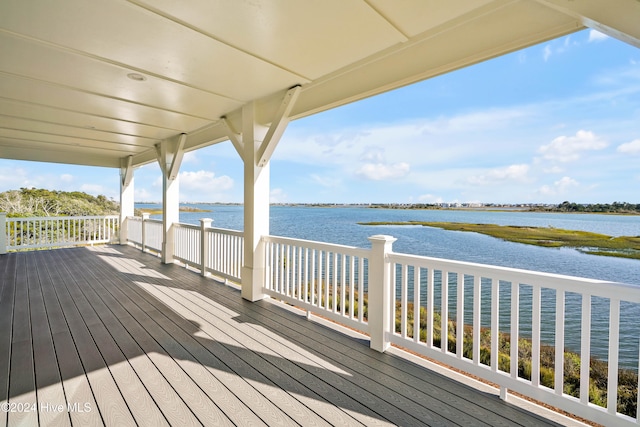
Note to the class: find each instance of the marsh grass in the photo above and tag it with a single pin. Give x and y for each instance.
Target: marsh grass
(550, 237)
(627, 379)
(598, 378)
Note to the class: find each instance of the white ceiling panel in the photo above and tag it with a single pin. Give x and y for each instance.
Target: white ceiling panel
(417, 16)
(128, 34)
(13, 123)
(38, 92)
(47, 63)
(65, 95)
(311, 38)
(80, 120)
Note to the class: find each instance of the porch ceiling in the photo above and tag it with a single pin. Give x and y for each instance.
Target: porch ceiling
(66, 92)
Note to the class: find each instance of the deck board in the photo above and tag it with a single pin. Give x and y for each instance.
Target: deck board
(143, 343)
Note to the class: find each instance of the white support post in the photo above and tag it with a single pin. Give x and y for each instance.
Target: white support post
(145, 217)
(256, 206)
(3, 233)
(257, 145)
(204, 246)
(380, 298)
(126, 197)
(170, 153)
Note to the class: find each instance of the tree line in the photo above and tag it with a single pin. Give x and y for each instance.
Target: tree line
(615, 207)
(38, 202)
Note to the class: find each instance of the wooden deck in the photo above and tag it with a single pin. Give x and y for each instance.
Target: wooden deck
(110, 336)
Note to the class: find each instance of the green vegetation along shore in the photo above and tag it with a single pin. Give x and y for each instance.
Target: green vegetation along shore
(38, 202)
(584, 241)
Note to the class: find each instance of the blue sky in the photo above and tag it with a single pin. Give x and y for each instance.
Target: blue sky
(557, 121)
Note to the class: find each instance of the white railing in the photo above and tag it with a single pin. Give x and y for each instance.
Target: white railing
(325, 279)
(446, 309)
(153, 234)
(212, 250)
(224, 253)
(187, 244)
(51, 232)
(525, 331)
(507, 326)
(134, 230)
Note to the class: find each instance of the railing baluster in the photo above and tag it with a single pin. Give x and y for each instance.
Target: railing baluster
(495, 322)
(460, 316)
(416, 303)
(614, 345)
(444, 312)
(559, 344)
(536, 310)
(404, 294)
(515, 326)
(430, 307)
(585, 350)
(477, 318)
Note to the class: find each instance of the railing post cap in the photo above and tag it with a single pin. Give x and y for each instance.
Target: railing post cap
(204, 220)
(379, 238)
(145, 215)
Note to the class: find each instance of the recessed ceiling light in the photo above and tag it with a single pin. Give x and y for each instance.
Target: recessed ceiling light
(137, 77)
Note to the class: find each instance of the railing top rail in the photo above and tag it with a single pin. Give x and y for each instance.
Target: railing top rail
(159, 221)
(183, 225)
(576, 284)
(60, 217)
(226, 231)
(332, 247)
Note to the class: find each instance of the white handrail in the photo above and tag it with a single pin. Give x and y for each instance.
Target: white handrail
(513, 301)
(50, 232)
(462, 314)
(325, 279)
(447, 310)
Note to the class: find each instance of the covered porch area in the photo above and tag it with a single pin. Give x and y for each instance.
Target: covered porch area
(111, 335)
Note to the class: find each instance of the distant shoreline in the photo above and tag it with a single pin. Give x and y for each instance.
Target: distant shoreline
(533, 208)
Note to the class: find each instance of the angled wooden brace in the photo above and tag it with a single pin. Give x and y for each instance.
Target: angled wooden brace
(278, 126)
(170, 171)
(234, 136)
(126, 171)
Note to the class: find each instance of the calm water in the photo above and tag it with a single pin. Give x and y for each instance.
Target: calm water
(339, 225)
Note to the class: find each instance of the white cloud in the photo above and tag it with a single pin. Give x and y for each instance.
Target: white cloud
(558, 47)
(93, 189)
(277, 195)
(597, 36)
(14, 178)
(65, 177)
(430, 198)
(191, 157)
(382, 171)
(569, 148)
(373, 154)
(326, 181)
(143, 195)
(546, 52)
(632, 147)
(518, 173)
(553, 169)
(205, 182)
(562, 186)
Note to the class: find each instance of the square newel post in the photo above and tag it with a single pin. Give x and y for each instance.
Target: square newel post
(204, 245)
(3, 233)
(380, 298)
(145, 217)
